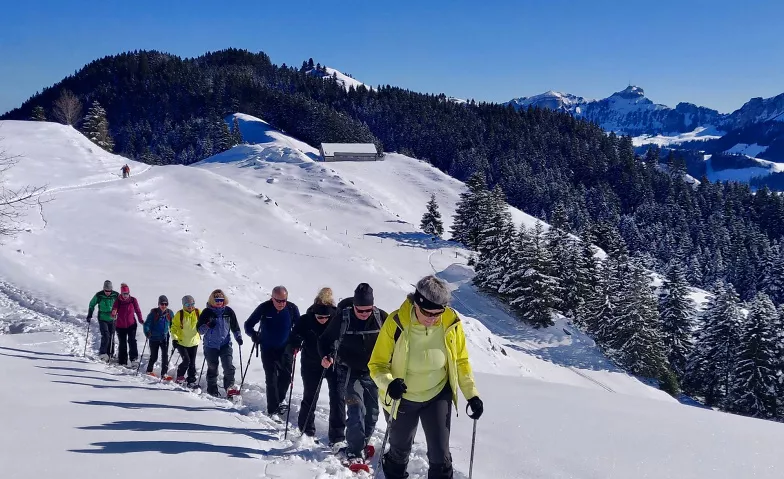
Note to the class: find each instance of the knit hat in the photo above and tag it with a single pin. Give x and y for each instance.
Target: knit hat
(188, 299)
(107, 285)
(163, 299)
(363, 295)
(124, 288)
(323, 309)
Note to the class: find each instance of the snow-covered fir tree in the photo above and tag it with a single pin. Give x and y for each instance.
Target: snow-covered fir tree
(529, 287)
(710, 367)
(617, 274)
(773, 277)
(431, 221)
(491, 237)
(589, 287)
(236, 133)
(38, 114)
(754, 380)
(562, 252)
(96, 127)
(467, 223)
(677, 312)
(635, 341)
(223, 138)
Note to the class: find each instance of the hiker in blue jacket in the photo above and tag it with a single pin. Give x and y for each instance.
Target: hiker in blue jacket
(156, 329)
(215, 324)
(277, 317)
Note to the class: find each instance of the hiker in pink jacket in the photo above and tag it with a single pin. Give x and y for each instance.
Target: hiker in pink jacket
(125, 306)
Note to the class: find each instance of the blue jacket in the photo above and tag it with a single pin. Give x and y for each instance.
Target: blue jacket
(275, 325)
(157, 324)
(225, 323)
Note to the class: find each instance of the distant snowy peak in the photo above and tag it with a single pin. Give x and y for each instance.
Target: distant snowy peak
(627, 111)
(346, 80)
(758, 110)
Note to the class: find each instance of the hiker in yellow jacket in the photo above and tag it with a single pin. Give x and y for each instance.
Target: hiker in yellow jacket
(419, 361)
(186, 339)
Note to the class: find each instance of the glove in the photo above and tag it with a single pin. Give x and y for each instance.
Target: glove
(141, 321)
(175, 343)
(211, 323)
(396, 389)
(89, 319)
(295, 351)
(476, 407)
(239, 340)
(256, 338)
(147, 335)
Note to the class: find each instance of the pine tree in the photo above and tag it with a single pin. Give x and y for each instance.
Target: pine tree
(236, 133)
(676, 311)
(431, 221)
(754, 380)
(562, 250)
(710, 366)
(491, 235)
(38, 114)
(96, 127)
(635, 341)
(468, 218)
(588, 283)
(530, 288)
(773, 278)
(223, 140)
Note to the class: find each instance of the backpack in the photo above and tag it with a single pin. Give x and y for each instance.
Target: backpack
(182, 315)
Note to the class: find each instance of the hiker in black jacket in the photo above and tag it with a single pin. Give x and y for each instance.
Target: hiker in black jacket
(305, 337)
(355, 328)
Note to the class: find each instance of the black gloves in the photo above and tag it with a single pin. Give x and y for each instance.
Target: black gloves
(396, 389)
(476, 407)
(89, 319)
(239, 340)
(211, 323)
(175, 343)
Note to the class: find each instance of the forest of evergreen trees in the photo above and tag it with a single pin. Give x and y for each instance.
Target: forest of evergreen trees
(727, 359)
(164, 109)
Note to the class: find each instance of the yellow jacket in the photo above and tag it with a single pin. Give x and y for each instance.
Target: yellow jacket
(390, 359)
(183, 328)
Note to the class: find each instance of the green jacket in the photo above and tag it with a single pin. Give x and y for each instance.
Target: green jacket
(104, 303)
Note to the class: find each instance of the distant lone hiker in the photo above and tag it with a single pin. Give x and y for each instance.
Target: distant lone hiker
(126, 171)
(105, 301)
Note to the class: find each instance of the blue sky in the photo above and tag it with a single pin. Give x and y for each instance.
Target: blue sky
(717, 54)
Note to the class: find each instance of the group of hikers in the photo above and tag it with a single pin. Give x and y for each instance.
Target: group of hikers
(414, 359)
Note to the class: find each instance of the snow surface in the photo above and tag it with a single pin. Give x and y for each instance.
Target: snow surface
(742, 175)
(748, 150)
(342, 78)
(265, 214)
(701, 133)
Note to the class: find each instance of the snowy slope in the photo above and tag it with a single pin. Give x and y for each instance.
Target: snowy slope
(264, 214)
(702, 133)
(341, 77)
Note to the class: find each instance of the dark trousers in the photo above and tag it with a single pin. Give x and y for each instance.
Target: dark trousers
(163, 346)
(127, 339)
(107, 337)
(224, 354)
(337, 407)
(188, 362)
(360, 394)
(436, 418)
(277, 373)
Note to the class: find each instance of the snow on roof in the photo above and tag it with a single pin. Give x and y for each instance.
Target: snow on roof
(330, 149)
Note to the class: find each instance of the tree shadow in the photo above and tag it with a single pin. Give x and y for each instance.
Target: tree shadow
(82, 377)
(168, 447)
(43, 359)
(37, 353)
(148, 426)
(143, 406)
(412, 239)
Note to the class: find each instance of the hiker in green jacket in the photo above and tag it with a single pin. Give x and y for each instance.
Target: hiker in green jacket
(104, 300)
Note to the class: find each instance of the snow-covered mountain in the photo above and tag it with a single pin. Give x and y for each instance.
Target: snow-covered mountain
(346, 80)
(269, 213)
(627, 112)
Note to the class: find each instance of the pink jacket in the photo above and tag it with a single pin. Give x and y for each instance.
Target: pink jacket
(123, 311)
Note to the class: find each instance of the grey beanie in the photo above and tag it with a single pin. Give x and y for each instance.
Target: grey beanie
(188, 299)
(107, 285)
(163, 299)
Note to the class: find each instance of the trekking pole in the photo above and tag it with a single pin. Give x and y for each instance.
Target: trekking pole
(386, 437)
(291, 390)
(142, 356)
(247, 366)
(312, 410)
(473, 444)
(202, 369)
(86, 340)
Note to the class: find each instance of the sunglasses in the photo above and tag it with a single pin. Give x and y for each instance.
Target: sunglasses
(431, 314)
(218, 300)
(322, 316)
(279, 301)
(163, 304)
(107, 291)
(363, 311)
(126, 294)
(189, 305)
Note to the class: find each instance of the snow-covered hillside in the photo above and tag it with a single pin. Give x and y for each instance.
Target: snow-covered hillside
(269, 213)
(341, 77)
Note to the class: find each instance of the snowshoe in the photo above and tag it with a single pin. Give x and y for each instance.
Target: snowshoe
(233, 394)
(104, 357)
(338, 447)
(167, 378)
(369, 452)
(180, 381)
(355, 463)
(151, 374)
(213, 391)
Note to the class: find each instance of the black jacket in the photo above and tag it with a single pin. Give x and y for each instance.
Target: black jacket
(358, 342)
(275, 325)
(305, 337)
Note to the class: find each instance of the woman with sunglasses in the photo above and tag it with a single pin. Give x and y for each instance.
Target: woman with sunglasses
(123, 311)
(156, 329)
(419, 361)
(186, 339)
(216, 323)
(305, 337)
